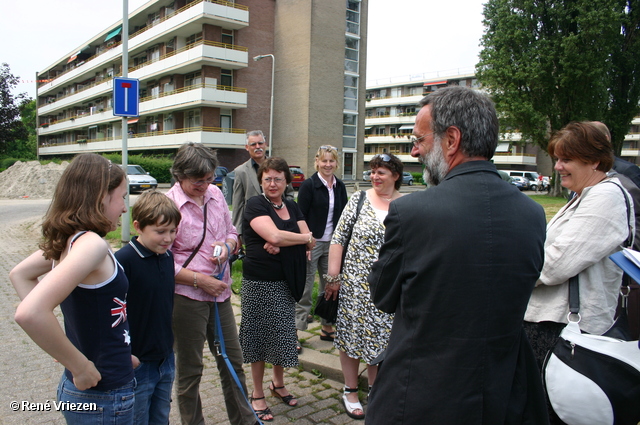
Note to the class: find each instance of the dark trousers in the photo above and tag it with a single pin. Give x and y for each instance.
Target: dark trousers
(193, 324)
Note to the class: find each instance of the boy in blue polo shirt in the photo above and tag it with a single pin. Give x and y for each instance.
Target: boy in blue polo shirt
(148, 264)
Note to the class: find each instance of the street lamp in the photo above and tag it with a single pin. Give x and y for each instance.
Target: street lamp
(273, 73)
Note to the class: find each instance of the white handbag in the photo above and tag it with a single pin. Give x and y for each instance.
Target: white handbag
(593, 379)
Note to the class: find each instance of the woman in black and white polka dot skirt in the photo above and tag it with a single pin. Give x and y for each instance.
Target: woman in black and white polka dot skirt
(274, 269)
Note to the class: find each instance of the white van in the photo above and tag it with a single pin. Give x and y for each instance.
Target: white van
(532, 176)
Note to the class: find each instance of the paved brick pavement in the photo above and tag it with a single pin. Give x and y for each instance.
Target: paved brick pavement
(27, 374)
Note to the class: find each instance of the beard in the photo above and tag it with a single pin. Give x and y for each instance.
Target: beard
(435, 166)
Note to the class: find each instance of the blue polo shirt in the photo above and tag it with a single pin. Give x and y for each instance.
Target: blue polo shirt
(149, 301)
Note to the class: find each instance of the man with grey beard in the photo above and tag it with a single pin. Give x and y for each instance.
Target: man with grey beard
(457, 267)
(245, 183)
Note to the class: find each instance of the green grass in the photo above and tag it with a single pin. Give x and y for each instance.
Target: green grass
(550, 204)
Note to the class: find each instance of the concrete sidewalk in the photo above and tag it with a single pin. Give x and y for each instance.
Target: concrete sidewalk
(28, 374)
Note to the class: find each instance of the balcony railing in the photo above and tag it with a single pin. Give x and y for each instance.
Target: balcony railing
(142, 30)
(168, 55)
(153, 134)
(193, 87)
(74, 117)
(182, 9)
(189, 47)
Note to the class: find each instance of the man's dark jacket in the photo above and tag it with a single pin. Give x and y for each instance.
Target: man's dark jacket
(457, 268)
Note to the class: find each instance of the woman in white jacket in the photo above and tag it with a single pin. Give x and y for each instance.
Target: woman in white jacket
(591, 226)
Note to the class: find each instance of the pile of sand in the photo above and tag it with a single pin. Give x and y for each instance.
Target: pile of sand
(30, 180)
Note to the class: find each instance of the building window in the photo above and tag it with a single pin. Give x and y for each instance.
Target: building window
(225, 123)
(168, 122)
(193, 118)
(193, 78)
(353, 17)
(349, 130)
(194, 38)
(226, 77)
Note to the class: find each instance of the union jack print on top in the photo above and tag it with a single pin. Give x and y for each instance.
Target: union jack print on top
(120, 312)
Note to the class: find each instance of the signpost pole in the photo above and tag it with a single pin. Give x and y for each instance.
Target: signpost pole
(126, 231)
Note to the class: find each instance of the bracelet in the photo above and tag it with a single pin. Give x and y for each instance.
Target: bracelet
(331, 279)
(228, 249)
(195, 280)
(310, 239)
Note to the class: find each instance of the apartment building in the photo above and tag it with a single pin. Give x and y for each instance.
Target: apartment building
(391, 113)
(391, 109)
(198, 81)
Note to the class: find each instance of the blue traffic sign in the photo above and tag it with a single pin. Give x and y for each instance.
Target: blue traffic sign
(126, 97)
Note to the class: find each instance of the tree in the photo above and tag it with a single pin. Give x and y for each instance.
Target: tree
(549, 62)
(12, 130)
(27, 149)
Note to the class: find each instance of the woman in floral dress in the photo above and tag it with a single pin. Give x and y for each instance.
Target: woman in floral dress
(362, 331)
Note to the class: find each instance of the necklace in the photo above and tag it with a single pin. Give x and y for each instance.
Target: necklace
(278, 207)
(386, 199)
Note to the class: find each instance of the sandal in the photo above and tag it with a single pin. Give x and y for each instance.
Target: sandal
(261, 413)
(352, 407)
(286, 399)
(298, 346)
(327, 336)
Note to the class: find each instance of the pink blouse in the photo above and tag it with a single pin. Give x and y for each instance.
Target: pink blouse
(189, 234)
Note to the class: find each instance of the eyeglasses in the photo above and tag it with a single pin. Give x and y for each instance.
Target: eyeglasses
(202, 182)
(328, 148)
(277, 180)
(384, 156)
(254, 144)
(416, 140)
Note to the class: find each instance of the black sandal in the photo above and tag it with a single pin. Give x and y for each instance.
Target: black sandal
(261, 413)
(327, 336)
(286, 399)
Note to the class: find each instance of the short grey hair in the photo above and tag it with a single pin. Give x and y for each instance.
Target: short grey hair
(254, 133)
(194, 160)
(470, 111)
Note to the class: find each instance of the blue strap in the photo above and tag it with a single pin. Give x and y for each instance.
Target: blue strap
(222, 351)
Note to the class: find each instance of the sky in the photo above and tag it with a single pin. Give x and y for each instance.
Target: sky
(407, 38)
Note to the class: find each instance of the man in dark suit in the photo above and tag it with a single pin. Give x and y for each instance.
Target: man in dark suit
(458, 265)
(245, 183)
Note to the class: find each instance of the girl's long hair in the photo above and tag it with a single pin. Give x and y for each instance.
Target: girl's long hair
(77, 202)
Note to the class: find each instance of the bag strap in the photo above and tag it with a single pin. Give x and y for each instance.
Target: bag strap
(574, 282)
(204, 233)
(358, 208)
(574, 295)
(221, 350)
(629, 241)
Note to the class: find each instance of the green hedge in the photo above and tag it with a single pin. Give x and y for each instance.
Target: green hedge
(158, 167)
(417, 178)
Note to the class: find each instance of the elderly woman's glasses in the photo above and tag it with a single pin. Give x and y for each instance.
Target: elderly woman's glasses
(202, 182)
(416, 140)
(277, 180)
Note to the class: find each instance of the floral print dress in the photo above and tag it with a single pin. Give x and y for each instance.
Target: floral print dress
(362, 331)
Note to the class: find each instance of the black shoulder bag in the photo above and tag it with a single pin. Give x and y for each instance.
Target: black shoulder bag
(328, 309)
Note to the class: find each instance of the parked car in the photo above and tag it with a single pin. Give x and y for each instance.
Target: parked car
(407, 178)
(139, 179)
(532, 176)
(221, 172)
(298, 176)
(366, 175)
(520, 182)
(505, 176)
